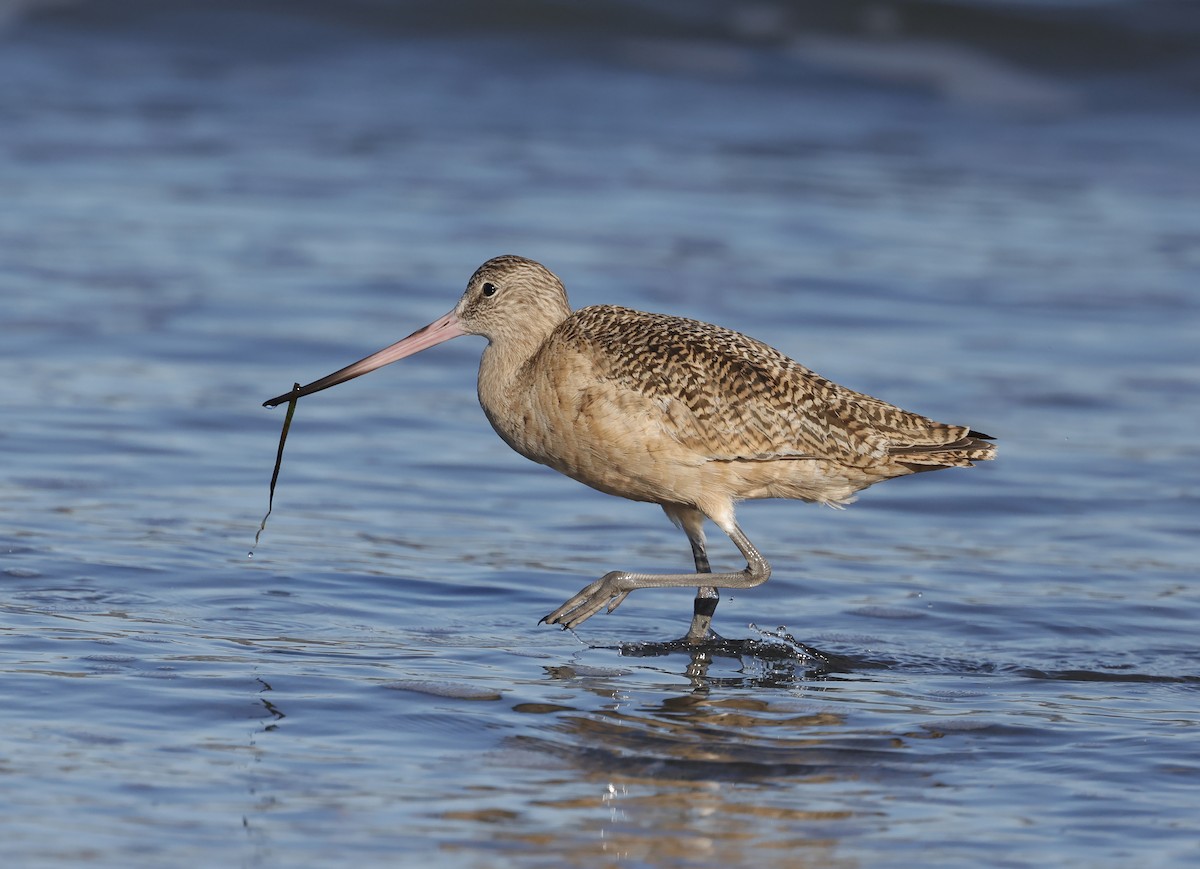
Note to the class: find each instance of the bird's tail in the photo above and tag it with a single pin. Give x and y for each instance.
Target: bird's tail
(963, 451)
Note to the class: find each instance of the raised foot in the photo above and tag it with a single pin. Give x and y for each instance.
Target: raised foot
(610, 590)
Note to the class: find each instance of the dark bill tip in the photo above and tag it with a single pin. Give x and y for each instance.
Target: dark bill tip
(280, 399)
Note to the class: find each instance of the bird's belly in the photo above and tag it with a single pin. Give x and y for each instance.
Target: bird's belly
(708, 483)
(634, 471)
(636, 480)
(615, 456)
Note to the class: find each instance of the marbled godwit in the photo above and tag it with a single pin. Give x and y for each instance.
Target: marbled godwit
(683, 414)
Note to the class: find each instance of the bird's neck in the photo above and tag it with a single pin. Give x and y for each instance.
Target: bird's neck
(508, 370)
(503, 361)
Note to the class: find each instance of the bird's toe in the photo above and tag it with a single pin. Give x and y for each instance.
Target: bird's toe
(604, 592)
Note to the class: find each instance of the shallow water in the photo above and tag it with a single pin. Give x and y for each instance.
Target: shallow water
(203, 206)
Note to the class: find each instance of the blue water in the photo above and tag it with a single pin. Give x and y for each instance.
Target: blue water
(203, 204)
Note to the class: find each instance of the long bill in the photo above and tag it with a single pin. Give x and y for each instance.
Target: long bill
(441, 329)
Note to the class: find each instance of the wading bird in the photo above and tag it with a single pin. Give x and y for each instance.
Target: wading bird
(683, 414)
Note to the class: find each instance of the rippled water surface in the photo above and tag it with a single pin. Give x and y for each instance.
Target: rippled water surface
(204, 204)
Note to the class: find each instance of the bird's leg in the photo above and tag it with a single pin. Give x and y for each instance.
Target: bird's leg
(691, 521)
(707, 598)
(614, 587)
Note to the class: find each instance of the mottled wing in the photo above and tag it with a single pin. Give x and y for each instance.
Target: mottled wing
(729, 397)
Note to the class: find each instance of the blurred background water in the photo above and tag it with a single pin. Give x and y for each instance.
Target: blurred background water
(982, 211)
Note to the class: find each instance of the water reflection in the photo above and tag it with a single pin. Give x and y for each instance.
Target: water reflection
(680, 764)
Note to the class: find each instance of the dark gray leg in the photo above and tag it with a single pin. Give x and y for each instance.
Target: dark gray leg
(707, 598)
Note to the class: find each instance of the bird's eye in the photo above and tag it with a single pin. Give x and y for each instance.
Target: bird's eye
(489, 289)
